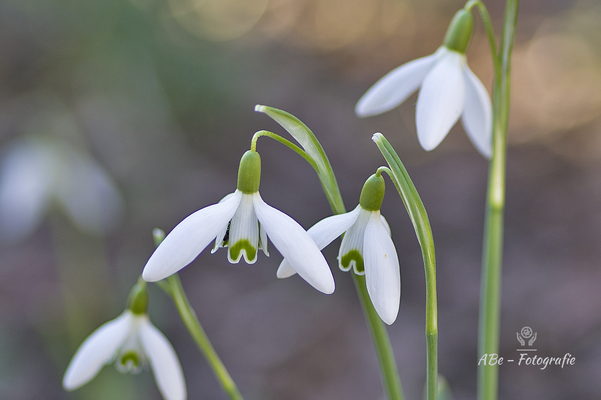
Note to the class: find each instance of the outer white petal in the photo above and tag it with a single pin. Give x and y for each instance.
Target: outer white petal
(295, 244)
(25, 181)
(185, 242)
(382, 272)
(477, 113)
(97, 350)
(86, 191)
(163, 361)
(323, 233)
(441, 99)
(394, 88)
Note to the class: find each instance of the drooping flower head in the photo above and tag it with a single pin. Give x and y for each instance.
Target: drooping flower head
(132, 342)
(242, 222)
(366, 248)
(41, 173)
(449, 90)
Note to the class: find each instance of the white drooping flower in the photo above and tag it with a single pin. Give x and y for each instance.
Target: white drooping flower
(449, 90)
(132, 342)
(366, 247)
(38, 173)
(242, 221)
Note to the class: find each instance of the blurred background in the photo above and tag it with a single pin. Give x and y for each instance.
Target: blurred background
(119, 116)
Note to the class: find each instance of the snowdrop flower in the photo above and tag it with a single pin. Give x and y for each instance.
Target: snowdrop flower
(132, 342)
(366, 248)
(37, 173)
(242, 222)
(449, 90)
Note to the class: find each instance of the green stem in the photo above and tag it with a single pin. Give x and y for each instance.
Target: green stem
(285, 142)
(200, 337)
(489, 31)
(390, 374)
(490, 307)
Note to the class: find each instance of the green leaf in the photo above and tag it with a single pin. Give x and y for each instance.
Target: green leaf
(421, 225)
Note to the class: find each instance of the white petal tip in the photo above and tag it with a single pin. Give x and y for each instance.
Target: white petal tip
(259, 108)
(328, 288)
(151, 276)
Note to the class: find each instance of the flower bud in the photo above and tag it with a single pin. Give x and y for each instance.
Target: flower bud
(249, 173)
(460, 31)
(372, 193)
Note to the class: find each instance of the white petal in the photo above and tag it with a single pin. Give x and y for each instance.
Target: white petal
(87, 192)
(295, 244)
(163, 361)
(221, 235)
(185, 242)
(477, 113)
(97, 350)
(394, 88)
(323, 233)
(441, 100)
(24, 189)
(382, 273)
(244, 231)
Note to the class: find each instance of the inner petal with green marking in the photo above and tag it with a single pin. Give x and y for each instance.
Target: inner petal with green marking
(243, 234)
(352, 259)
(246, 248)
(129, 361)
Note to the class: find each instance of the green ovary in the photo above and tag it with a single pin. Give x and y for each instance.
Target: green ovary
(250, 250)
(351, 256)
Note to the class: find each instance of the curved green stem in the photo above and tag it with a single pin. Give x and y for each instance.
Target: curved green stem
(200, 337)
(489, 31)
(285, 142)
(490, 306)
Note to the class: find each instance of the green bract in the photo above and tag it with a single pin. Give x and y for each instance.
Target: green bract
(249, 173)
(460, 31)
(372, 193)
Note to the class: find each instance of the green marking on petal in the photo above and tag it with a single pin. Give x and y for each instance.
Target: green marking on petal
(251, 252)
(347, 260)
(129, 362)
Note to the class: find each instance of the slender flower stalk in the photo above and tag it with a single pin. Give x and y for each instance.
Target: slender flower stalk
(173, 287)
(490, 304)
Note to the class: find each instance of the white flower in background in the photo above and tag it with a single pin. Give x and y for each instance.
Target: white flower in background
(449, 90)
(38, 173)
(132, 342)
(366, 248)
(242, 221)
